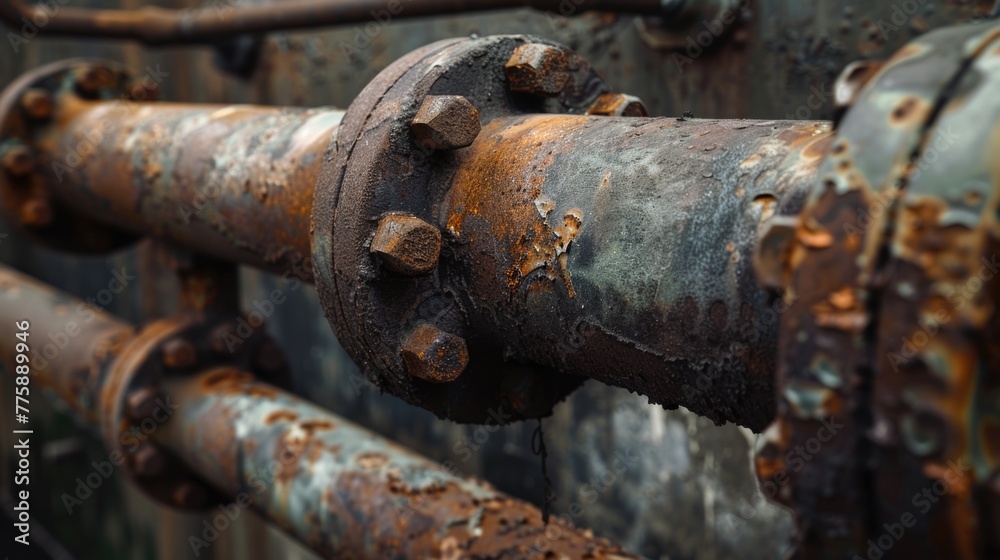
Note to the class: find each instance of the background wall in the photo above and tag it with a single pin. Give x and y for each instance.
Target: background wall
(689, 490)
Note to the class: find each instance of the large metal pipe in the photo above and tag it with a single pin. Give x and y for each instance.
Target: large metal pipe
(71, 342)
(621, 248)
(343, 490)
(339, 489)
(566, 241)
(617, 249)
(235, 182)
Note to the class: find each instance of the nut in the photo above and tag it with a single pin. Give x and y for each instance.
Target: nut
(179, 353)
(17, 159)
(91, 78)
(35, 213)
(618, 105)
(142, 403)
(37, 103)
(406, 244)
(434, 355)
(446, 122)
(537, 69)
(148, 460)
(772, 251)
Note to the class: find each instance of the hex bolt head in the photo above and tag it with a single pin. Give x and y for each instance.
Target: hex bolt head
(434, 355)
(618, 105)
(537, 69)
(37, 103)
(179, 353)
(35, 213)
(772, 251)
(91, 78)
(148, 461)
(446, 122)
(407, 245)
(142, 404)
(17, 159)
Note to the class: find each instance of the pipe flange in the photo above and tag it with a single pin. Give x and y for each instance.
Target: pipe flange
(134, 405)
(873, 341)
(30, 109)
(381, 250)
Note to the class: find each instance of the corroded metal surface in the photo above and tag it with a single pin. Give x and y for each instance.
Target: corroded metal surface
(339, 489)
(569, 242)
(233, 182)
(884, 337)
(192, 174)
(344, 491)
(73, 342)
(26, 198)
(780, 61)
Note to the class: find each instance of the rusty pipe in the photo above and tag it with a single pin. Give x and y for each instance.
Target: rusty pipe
(196, 174)
(71, 342)
(228, 18)
(572, 246)
(344, 491)
(341, 490)
(234, 182)
(557, 255)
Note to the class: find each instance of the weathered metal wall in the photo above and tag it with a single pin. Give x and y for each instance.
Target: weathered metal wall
(665, 483)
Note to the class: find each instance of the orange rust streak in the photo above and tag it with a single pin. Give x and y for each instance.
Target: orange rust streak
(502, 181)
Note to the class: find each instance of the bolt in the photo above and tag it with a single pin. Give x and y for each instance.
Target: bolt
(434, 355)
(148, 461)
(537, 69)
(618, 105)
(179, 353)
(406, 244)
(446, 122)
(142, 404)
(773, 249)
(37, 103)
(91, 78)
(189, 495)
(36, 213)
(17, 159)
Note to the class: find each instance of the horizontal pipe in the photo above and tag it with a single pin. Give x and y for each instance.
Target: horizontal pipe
(234, 182)
(642, 253)
(341, 490)
(227, 18)
(621, 249)
(71, 342)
